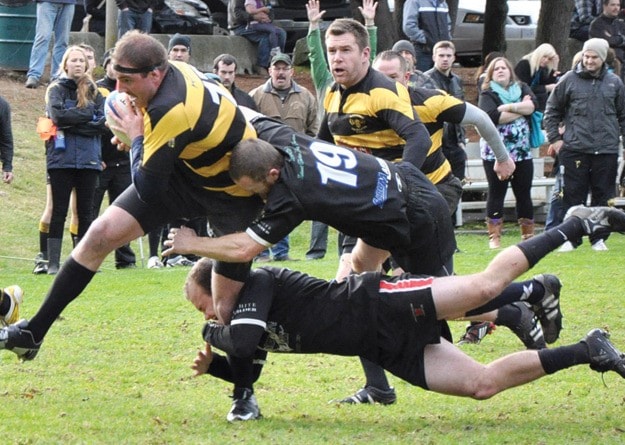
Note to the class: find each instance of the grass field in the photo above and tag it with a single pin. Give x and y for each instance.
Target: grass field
(115, 367)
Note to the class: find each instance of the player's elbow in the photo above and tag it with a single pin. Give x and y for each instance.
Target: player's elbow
(243, 348)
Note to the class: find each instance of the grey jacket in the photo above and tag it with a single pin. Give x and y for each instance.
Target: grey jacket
(592, 110)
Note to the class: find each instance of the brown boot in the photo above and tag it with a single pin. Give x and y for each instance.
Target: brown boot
(527, 228)
(495, 225)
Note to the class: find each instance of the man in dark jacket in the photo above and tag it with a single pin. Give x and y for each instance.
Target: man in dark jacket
(590, 102)
(6, 141)
(225, 66)
(134, 14)
(611, 27)
(426, 22)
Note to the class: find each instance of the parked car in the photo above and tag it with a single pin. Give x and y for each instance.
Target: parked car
(469, 28)
(170, 17)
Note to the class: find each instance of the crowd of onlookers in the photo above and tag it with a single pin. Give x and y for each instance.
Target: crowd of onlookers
(510, 95)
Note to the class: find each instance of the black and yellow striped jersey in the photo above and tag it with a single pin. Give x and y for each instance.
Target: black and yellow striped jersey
(434, 108)
(190, 127)
(375, 116)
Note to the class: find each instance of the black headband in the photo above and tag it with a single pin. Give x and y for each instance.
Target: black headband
(127, 70)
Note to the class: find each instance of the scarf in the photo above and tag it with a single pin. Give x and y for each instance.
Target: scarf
(507, 96)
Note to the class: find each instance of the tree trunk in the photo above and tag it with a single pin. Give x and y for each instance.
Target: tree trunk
(453, 13)
(495, 15)
(553, 27)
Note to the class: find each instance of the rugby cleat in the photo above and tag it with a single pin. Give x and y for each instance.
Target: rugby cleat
(476, 332)
(603, 354)
(244, 406)
(548, 308)
(20, 340)
(598, 219)
(528, 329)
(371, 394)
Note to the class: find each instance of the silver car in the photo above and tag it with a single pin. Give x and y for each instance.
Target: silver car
(469, 28)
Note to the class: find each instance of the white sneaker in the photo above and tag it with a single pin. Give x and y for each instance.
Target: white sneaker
(154, 263)
(566, 247)
(16, 295)
(599, 246)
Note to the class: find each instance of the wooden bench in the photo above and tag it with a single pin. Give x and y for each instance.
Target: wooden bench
(482, 186)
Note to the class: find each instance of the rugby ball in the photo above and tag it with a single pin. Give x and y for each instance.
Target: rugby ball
(119, 105)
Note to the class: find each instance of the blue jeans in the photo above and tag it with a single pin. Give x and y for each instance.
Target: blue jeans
(263, 40)
(279, 250)
(130, 19)
(424, 59)
(51, 17)
(318, 240)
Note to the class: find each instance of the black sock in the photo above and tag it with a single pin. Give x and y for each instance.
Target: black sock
(508, 315)
(375, 375)
(43, 244)
(520, 291)
(539, 246)
(67, 285)
(5, 303)
(553, 360)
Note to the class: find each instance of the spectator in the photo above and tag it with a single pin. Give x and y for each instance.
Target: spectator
(426, 22)
(179, 48)
(53, 17)
(115, 176)
(417, 78)
(444, 79)
(508, 102)
(239, 20)
(539, 70)
(480, 74)
(584, 13)
(6, 141)
(134, 14)
(610, 26)
(590, 103)
(283, 99)
(225, 66)
(73, 156)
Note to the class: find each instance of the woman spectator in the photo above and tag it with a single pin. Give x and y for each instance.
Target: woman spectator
(73, 157)
(508, 102)
(539, 70)
(480, 74)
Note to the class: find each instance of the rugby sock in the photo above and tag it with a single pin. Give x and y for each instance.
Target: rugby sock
(44, 230)
(553, 360)
(531, 291)
(375, 375)
(508, 315)
(539, 246)
(67, 285)
(5, 304)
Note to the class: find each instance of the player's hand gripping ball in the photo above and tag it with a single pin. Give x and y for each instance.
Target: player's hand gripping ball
(120, 105)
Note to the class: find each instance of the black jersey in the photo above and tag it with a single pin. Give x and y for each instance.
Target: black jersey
(375, 116)
(388, 320)
(389, 206)
(434, 108)
(191, 126)
(358, 194)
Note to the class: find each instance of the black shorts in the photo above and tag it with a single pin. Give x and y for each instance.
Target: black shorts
(432, 238)
(407, 323)
(225, 213)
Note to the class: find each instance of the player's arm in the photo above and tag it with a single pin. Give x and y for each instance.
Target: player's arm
(234, 248)
(242, 336)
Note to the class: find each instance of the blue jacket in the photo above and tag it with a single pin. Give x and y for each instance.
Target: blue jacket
(426, 22)
(82, 127)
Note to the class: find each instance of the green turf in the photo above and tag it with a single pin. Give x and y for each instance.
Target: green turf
(115, 368)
